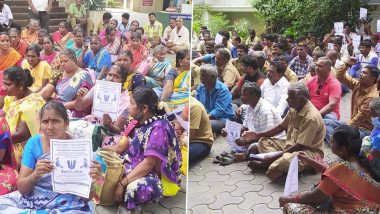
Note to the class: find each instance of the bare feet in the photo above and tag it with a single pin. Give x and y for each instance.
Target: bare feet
(274, 174)
(240, 157)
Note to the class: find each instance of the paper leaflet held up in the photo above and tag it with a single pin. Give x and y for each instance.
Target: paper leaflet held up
(291, 184)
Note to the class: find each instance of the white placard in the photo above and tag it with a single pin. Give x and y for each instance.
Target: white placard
(330, 46)
(378, 25)
(182, 122)
(356, 40)
(218, 39)
(261, 156)
(233, 130)
(338, 27)
(71, 160)
(106, 99)
(291, 183)
(363, 13)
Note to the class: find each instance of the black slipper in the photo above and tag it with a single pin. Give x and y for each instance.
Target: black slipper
(225, 154)
(227, 161)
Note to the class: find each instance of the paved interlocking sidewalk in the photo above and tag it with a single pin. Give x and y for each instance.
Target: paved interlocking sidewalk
(235, 189)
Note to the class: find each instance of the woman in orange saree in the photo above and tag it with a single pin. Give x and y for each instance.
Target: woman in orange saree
(347, 186)
(8, 58)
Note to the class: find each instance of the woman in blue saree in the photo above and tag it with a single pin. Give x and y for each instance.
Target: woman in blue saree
(160, 68)
(97, 59)
(35, 193)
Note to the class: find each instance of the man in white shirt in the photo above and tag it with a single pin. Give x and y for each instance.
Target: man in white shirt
(40, 10)
(168, 31)
(275, 87)
(180, 37)
(260, 116)
(6, 17)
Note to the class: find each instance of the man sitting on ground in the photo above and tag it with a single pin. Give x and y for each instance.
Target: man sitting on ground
(304, 133)
(215, 97)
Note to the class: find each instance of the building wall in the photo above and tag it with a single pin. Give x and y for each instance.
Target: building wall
(137, 6)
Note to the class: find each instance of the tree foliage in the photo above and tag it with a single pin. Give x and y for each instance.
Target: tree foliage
(301, 16)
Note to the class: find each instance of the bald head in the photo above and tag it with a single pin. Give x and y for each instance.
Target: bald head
(333, 56)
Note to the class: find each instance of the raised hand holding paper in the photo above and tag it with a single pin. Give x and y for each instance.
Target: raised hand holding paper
(291, 184)
(363, 13)
(106, 99)
(72, 160)
(338, 27)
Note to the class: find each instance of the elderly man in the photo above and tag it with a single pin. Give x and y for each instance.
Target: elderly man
(153, 30)
(304, 133)
(200, 137)
(228, 74)
(366, 57)
(215, 97)
(363, 92)
(325, 90)
(275, 87)
(180, 37)
(250, 67)
(260, 115)
(78, 15)
(300, 63)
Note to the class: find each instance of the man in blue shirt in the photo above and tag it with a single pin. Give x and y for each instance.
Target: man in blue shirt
(215, 97)
(366, 57)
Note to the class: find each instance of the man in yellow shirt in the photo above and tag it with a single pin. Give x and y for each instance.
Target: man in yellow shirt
(77, 13)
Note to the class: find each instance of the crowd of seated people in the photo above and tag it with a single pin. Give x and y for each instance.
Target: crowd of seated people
(286, 95)
(48, 80)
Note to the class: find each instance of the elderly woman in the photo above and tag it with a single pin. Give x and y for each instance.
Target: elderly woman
(160, 68)
(21, 108)
(35, 191)
(62, 35)
(66, 82)
(152, 152)
(77, 43)
(40, 70)
(48, 54)
(97, 59)
(349, 186)
(176, 90)
(16, 42)
(30, 34)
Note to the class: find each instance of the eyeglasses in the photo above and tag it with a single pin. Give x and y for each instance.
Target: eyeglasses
(319, 90)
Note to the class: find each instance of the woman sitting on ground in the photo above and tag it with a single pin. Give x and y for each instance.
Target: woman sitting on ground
(176, 90)
(62, 35)
(30, 34)
(137, 48)
(16, 42)
(21, 108)
(127, 36)
(48, 53)
(85, 97)
(66, 82)
(349, 185)
(97, 59)
(134, 79)
(152, 150)
(77, 43)
(111, 42)
(40, 70)
(35, 191)
(160, 68)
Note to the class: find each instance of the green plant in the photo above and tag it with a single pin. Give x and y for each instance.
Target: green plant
(302, 16)
(242, 26)
(97, 4)
(198, 17)
(218, 22)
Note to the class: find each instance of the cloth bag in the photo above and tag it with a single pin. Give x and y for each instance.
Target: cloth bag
(112, 169)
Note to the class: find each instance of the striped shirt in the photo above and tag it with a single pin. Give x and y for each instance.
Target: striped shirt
(299, 68)
(261, 118)
(154, 30)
